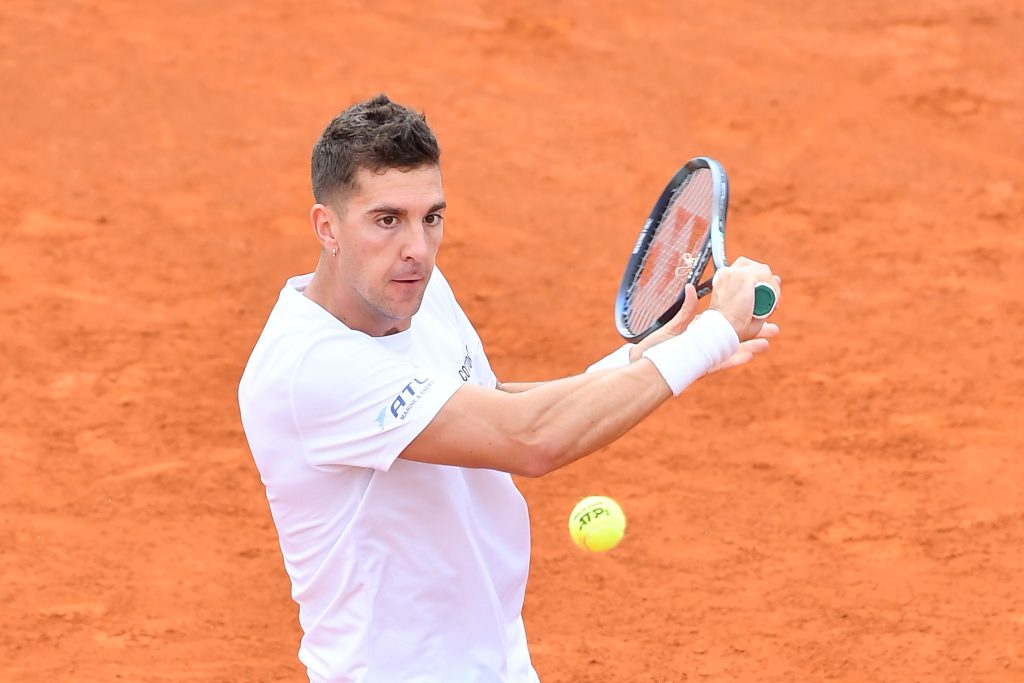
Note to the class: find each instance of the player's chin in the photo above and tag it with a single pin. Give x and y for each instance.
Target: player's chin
(406, 299)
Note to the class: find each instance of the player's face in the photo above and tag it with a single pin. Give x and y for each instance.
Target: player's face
(388, 233)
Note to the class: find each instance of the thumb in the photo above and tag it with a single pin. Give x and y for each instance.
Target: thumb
(686, 314)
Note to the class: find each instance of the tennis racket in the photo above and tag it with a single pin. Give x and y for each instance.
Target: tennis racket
(686, 230)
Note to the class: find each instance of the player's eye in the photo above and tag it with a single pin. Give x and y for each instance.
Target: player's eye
(433, 219)
(387, 221)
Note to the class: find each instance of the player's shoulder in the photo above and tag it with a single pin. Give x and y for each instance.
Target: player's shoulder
(297, 320)
(296, 328)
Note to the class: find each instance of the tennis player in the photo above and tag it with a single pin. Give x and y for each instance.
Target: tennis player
(386, 443)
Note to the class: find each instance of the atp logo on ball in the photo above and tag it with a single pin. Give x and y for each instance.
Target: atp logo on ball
(597, 524)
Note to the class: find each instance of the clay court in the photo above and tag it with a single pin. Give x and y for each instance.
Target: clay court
(850, 507)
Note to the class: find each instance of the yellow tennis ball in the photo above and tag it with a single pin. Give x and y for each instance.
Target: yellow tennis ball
(597, 524)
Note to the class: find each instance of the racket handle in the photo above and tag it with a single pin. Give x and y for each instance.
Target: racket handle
(764, 300)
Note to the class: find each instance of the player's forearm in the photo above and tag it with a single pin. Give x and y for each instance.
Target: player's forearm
(574, 417)
(622, 356)
(618, 358)
(564, 420)
(534, 432)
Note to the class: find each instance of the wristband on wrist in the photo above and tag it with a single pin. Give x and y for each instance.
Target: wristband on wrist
(682, 360)
(619, 358)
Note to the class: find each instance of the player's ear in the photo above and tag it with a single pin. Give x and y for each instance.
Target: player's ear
(323, 220)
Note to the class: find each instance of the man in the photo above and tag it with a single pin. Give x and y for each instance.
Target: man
(386, 443)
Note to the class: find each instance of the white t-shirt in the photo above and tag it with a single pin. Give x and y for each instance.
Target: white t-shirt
(403, 571)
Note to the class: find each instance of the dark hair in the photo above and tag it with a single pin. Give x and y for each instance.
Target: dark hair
(376, 134)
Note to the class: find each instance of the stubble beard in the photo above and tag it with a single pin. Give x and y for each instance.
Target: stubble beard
(386, 309)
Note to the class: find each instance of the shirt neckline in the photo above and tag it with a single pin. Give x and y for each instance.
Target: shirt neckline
(294, 289)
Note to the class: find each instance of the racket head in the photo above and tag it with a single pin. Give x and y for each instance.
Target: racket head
(685, 230)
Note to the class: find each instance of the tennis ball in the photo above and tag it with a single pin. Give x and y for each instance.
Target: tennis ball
(597, 524)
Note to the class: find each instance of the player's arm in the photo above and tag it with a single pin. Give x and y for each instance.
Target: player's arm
(755, 335)
(630, 353)
(534, 432)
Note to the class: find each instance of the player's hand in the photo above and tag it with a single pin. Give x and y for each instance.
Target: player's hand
(733, 295)
(674, 327)
(749, 348)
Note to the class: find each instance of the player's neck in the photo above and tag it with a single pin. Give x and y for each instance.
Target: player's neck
(327, 290)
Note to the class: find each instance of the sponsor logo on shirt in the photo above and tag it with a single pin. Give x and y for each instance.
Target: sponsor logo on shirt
(467, 367)
(408, 397)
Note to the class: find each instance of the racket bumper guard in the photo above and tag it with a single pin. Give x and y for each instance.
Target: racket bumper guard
(764, 300)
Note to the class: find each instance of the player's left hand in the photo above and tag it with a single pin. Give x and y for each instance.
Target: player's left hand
(672, 328)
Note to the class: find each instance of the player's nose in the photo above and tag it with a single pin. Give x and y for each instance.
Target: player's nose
(416, 246)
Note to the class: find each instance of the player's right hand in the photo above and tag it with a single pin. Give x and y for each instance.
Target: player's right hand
(733, 295)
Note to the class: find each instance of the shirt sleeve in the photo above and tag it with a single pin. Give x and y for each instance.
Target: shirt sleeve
(358, 404)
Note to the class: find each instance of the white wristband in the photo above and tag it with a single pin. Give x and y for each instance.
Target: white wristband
(619, 358)
(682, 360)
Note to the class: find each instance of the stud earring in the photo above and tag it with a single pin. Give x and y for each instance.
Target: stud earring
(334, 252)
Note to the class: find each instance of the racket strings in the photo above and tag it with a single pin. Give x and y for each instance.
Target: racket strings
(676, 248)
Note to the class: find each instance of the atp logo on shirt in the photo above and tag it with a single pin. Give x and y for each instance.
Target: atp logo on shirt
(405, 400)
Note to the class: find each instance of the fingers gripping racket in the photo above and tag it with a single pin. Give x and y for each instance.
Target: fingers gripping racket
(686, 230)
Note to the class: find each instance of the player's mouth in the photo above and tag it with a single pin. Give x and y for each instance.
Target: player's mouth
(407, 283)
(411, 278)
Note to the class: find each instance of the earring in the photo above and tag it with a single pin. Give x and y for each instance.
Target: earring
(334, 252)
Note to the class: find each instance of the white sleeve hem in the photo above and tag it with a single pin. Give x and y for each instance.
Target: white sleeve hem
(619, 358)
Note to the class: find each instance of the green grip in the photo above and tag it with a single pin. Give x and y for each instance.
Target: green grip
(764, 300)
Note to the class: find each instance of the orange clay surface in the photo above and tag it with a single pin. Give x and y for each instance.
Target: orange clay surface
(848, 508)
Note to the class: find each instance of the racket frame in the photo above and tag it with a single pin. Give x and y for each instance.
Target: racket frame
(713, 248)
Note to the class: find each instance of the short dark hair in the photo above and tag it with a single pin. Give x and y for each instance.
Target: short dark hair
(377, 134)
